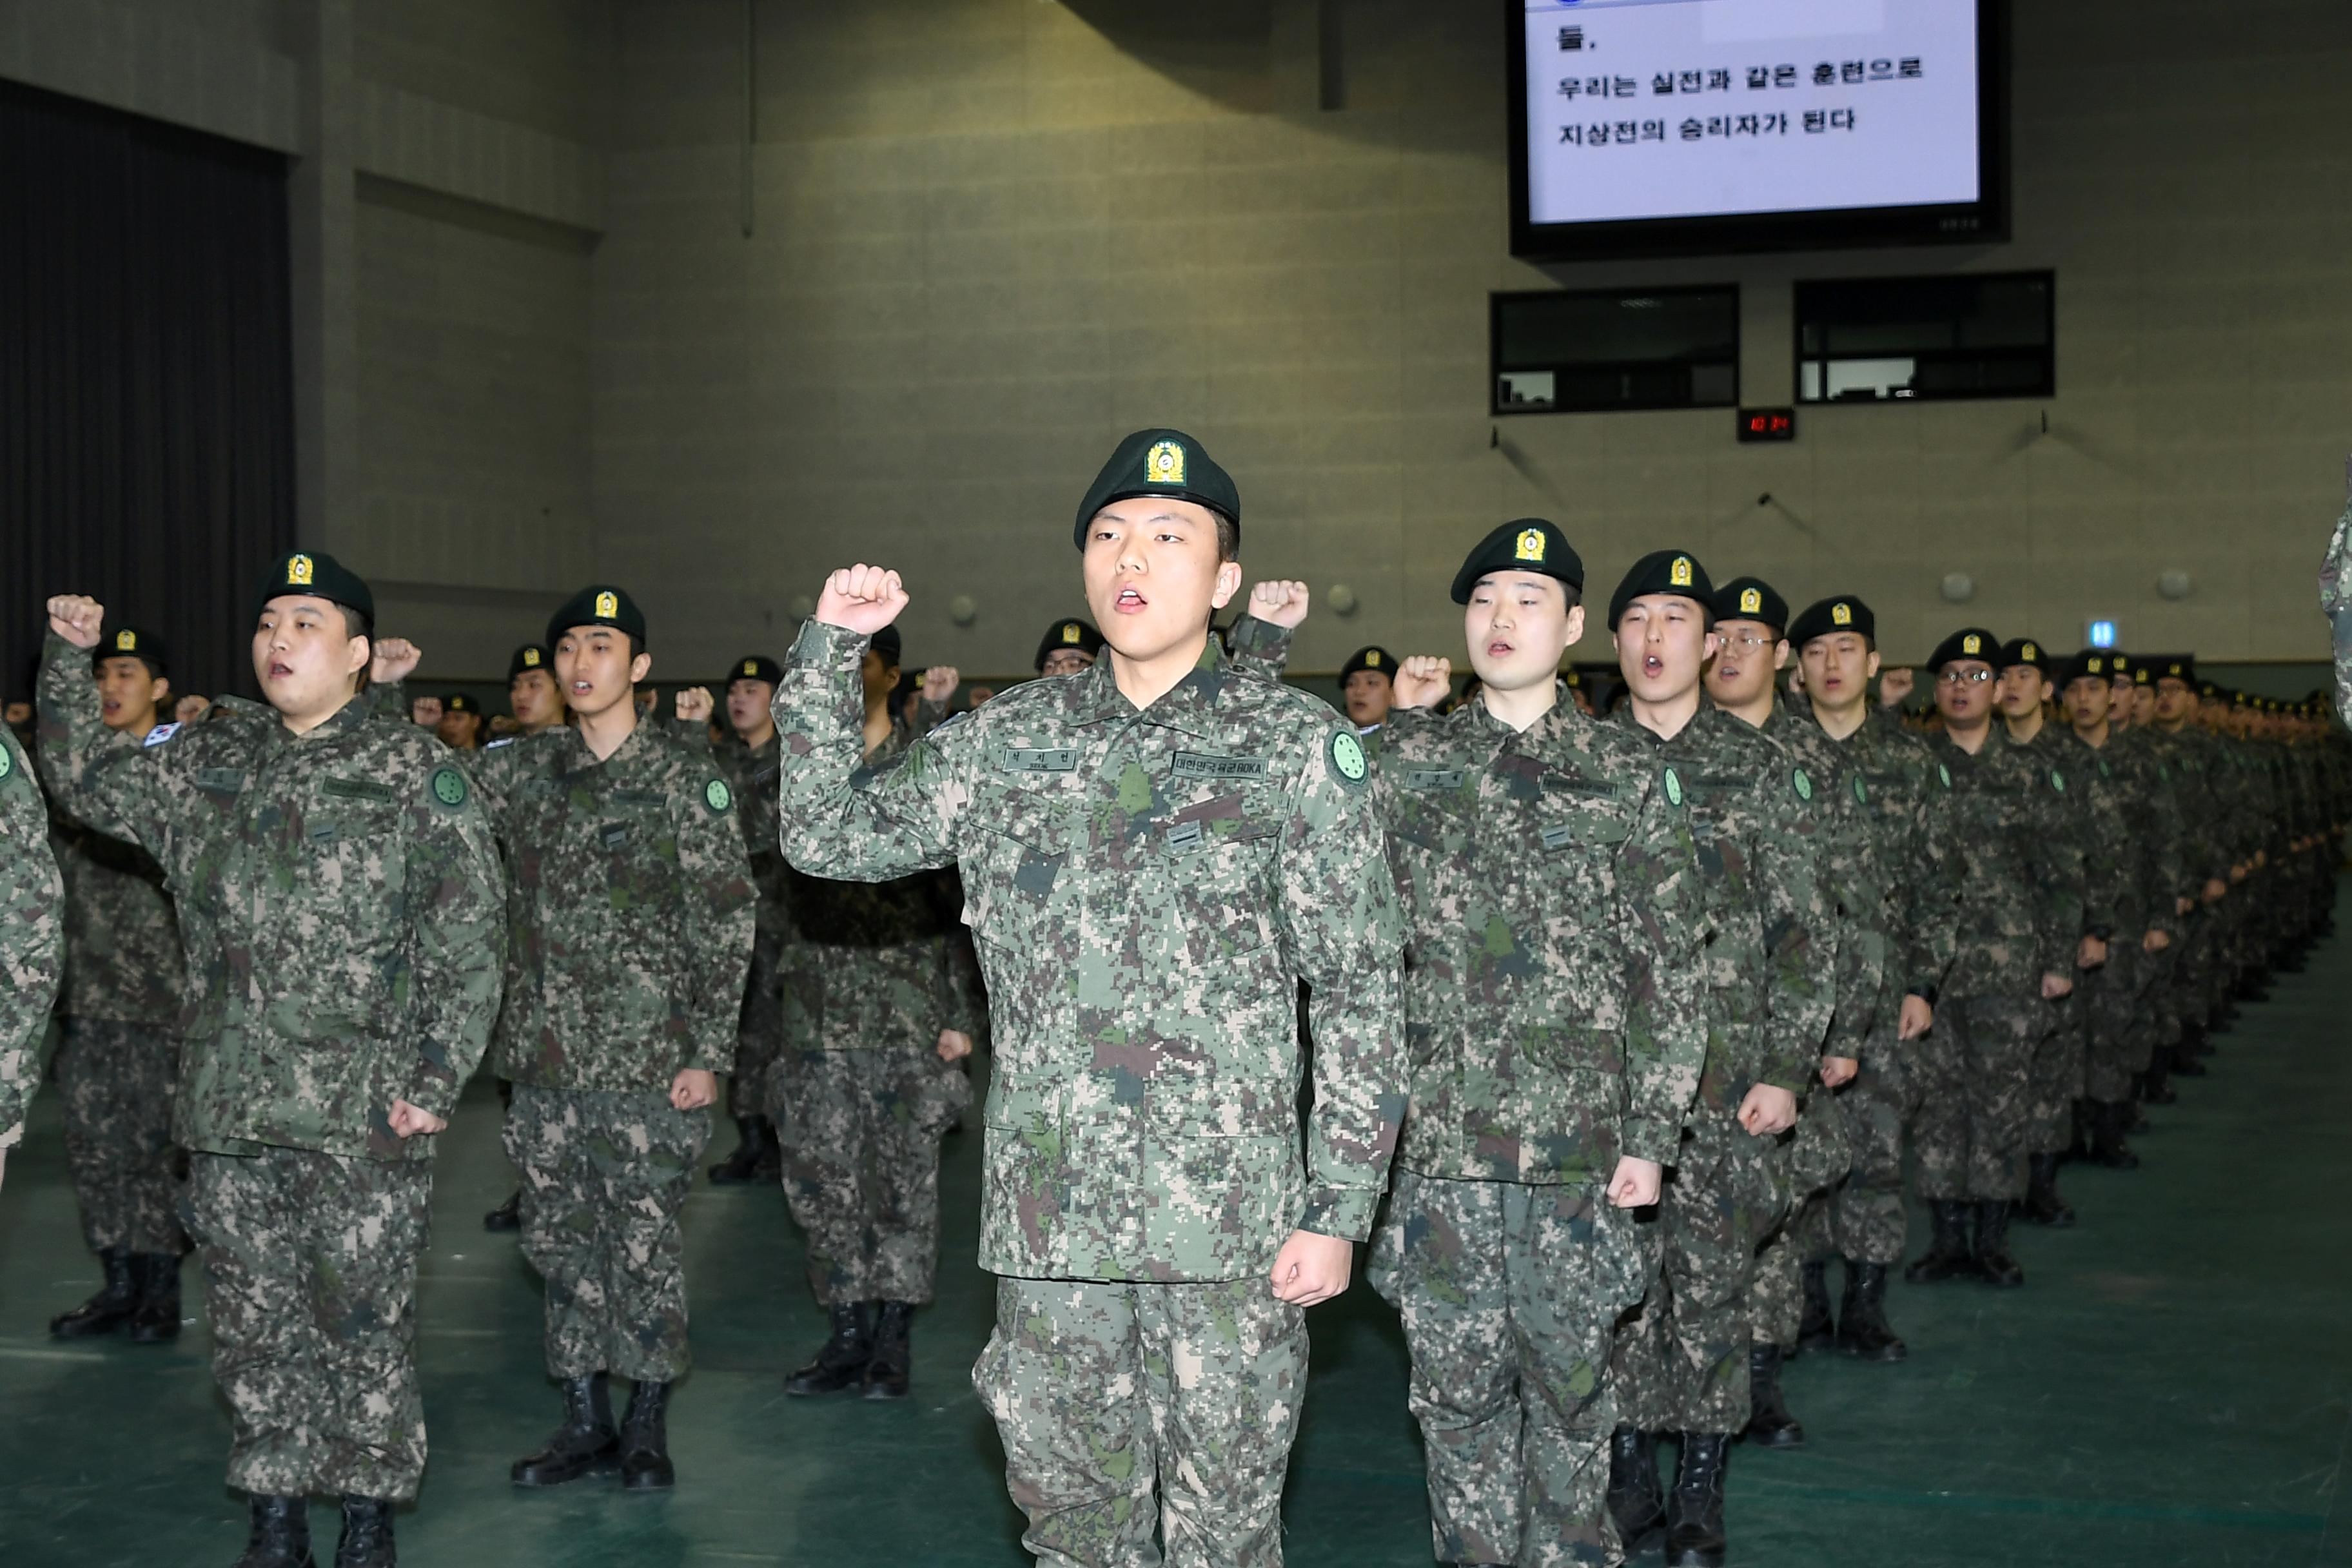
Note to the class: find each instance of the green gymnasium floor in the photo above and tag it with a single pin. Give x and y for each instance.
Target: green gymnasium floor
(2171, 1386)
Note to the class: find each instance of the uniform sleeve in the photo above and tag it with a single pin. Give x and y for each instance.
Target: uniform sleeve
(964, 997)
(497, 773)
(1342, 930)
(891, 822)
(2053, 847)
(1852, 884)
(1661, 929)
(2108, 866)
(127, 793)
(457, 913)
(387, 699)
(1260, 647)
(1931, 910)
(1800, 931)
(32, 937)
(719, 922)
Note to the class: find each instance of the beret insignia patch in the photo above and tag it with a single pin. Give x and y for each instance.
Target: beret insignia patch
(1530, 546)
(1841, 614)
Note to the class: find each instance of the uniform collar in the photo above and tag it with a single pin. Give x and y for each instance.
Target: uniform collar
(1191, 705)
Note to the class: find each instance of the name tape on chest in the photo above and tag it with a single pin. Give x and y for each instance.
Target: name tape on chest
(220, 781)
(359, 789)
(1201, 765)
(1432, 778)
(1037, 760)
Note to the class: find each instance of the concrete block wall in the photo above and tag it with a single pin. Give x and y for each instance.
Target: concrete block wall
(991, 235)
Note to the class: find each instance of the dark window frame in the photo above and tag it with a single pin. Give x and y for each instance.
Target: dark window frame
(2046, 387)
(1499, 299)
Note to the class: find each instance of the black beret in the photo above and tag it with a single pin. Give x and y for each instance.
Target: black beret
(598, 605)
(2141, 675)
(1676, 572)
(2209, 692)
(459, 702)
(1968, 643)
(530, 656)
(754, 667)
(1529, 544)
(132, 642)
(2119, 664)
(1751, 599)
(1376, 659)
(887, 644)
(1160, 463)
(2091, 664)
(1838, 613)
(313, 573)
(2180, 667)
(1071, 633)
(2023, 650)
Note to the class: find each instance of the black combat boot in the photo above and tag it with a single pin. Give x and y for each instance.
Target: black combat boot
(1817, 1331)
(841, 1360)
(107, 1310)
(2107, 1145)
(585, 1442)
(1993, 1262)
(1862, 1329)
(1770, 1424)
(644, 1440)
(2043, 1205)
(367, 1534)
(886, 1370)
(755, 1157)
(1695, 1526)
(1948, 1256)
(156, 1320)
(1637, 1499)
(281, 1533)
(2078, 1134)
(2184, 1061)
(507, 1216)
(2156, 1083)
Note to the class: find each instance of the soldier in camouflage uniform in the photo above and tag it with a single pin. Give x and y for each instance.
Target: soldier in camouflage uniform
(1751, 620)
(631, 908)
(1555, 1021)
(748, 760)
(1682, 1365)
(882, 1003)
(1891, 776)
(337, 893)
(2092, 845)
(2335, 603)
(2131, 786)
(120, 1013)
(2209, 846)
(2004, 814)
(32, 938)
(1154, 851)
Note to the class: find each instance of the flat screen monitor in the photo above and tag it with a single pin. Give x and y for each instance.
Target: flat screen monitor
(1673, 127)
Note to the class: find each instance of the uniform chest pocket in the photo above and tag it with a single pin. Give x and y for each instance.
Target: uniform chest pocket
(348, 846)
(1217, 856)
(638, 841)
(1016, 871)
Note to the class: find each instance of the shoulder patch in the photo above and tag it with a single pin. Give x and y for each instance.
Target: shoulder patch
(449, 786)
(2057, 781)
(1803, 784)
(1860, 790)
(1944, 774)
(501, 740)
(7, 760)
(158, 734)
(717, 796)
(2106, 772)
(1674, 787)
(1348, 756)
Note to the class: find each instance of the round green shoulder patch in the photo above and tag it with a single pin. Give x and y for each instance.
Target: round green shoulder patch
(1804, 785)
(1860, 790)
(1945, 773)
(1673, 786)
(1348, 756)
(2057, 781)
(449, 786)
(717, 796)
(7, 761)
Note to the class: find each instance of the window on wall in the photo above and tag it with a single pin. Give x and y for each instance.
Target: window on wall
(1876, 340)
(1588, 350)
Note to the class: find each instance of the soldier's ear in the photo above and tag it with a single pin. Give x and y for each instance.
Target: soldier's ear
(1872, 668)
(639, 667)
(1780, 654)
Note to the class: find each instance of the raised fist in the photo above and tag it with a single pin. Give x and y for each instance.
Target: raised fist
(190, 708)
(395, 660)
(1896, 686)
(1282, 602)
(1422, 681)
(76, 617)
(694, 705)
(862, 599)
(940, 683)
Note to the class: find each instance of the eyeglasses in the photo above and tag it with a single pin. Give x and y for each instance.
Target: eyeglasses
(1749, 640)
(1065, 663)
(1963, 676)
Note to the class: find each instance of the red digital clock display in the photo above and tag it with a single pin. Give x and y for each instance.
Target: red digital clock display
(1768, 423)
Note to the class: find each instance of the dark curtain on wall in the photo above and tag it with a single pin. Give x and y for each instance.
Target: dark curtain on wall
(146, 381)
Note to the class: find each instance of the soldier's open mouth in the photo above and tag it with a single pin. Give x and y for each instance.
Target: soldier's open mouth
(1128, 602)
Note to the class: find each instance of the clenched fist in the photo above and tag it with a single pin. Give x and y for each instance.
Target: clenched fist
(695, 705)
(1283, 604)
(940, 683)
(1422, 681)
(395, 660)
(76, 617)
(862, 599)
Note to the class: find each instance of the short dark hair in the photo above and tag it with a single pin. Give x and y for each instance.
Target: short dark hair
(1229, 536)
(359, 624)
